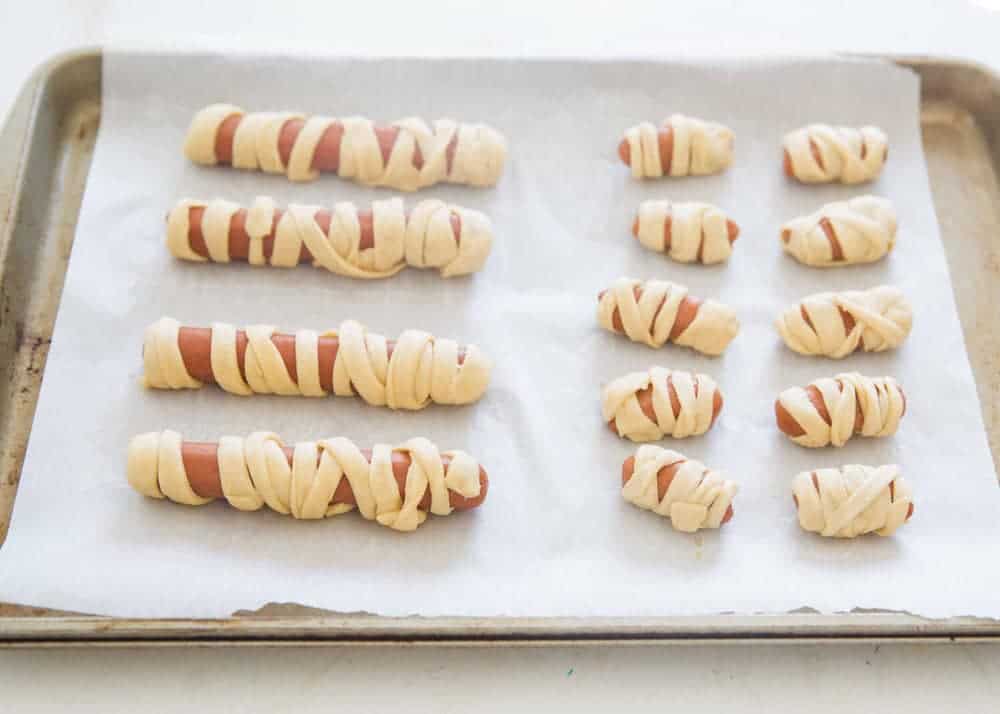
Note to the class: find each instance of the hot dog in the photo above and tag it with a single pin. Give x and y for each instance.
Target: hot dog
(687, 232)
(819, 153)
(352, 241)
(646, 406)
(406, 374)
(681, 146)
(398, 486)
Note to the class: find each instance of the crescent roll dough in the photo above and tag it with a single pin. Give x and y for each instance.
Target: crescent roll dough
(699, 147)
(421, 368)
(449, 151)
(422, 238)
(699, 232)
(255, 472)
(861, 230)
(683, 404)
(836, 324)
(852, 500)
(696, 497)
(648, 310)
(845, 154)
(854, 404)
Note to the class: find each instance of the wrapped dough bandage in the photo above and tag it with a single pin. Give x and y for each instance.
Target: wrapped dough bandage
(820, 153)
(655, 311)
(852, 500)
(831, 411)
(684, 490)
(396, 486)
(407, 154)
(681, 146)
(410, 373)
(861, 230)
(646, 406)
(836, 324)
(346, 240)
(686, 232)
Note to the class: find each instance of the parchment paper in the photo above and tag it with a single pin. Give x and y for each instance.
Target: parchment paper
(555, 536)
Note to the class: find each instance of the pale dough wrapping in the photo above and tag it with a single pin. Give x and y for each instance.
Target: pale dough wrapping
(697, 497)
(255, 472)
(699, 147)
(478, 153)
(422, 238)
(695, 395)
(644, 320)
(847, 155)
(852, 500)
(882, 320)
(421, 370)
(864, 228)
(699, 232)
(879, 400)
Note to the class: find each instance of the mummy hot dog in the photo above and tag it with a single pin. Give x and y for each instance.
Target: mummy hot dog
(656, 311)
(686, 232)
(681, 146)
(410, 373)
(819, 153)
(646, 406)
(396, 486)
(407, 154)
(831, 411)
(852, 500)
(346, 240)
(836, 324)
(861, 230)
(684, 490)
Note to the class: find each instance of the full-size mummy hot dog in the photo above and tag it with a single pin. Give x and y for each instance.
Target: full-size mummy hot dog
(655, 311)
(681, 146)
(861, 230)
(347, 240)
(836, 324)
(396, 486)
(852, 500)
(831, 411)
(819, 153)
(407, 154)
(686, 232)
(410, 373)
(684, 490)
(646, 406)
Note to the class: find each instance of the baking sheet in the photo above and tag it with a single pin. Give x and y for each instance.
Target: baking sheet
(554, 538)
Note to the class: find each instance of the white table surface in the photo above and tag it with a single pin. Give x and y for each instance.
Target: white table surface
(911, 678)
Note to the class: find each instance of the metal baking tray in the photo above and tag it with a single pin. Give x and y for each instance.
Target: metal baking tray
(47, 144)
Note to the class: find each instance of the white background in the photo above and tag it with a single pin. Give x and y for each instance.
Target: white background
(824, 678)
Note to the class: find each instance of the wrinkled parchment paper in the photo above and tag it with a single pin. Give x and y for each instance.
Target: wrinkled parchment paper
(555, 536)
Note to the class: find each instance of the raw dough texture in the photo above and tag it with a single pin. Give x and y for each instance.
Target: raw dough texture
(255, 472)
(422, 238)
(852, 500)
(698, 231)
(864, 228)
(815, 326)
(694, 394)
(422, 369)
(846, 154)
(699, 147)
(697, 497)
(477, 155)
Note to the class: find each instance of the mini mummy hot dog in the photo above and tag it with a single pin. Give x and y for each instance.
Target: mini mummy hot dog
(395, 486)
(646, 406)
(684, 490)
(820, 153)
(681, 146)
(409, 373)
(407, 154)
(852, 500)
(687, 232)
(655, 311)
(861, 230)
(836, 324)
(831, 411)
(347, 240)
